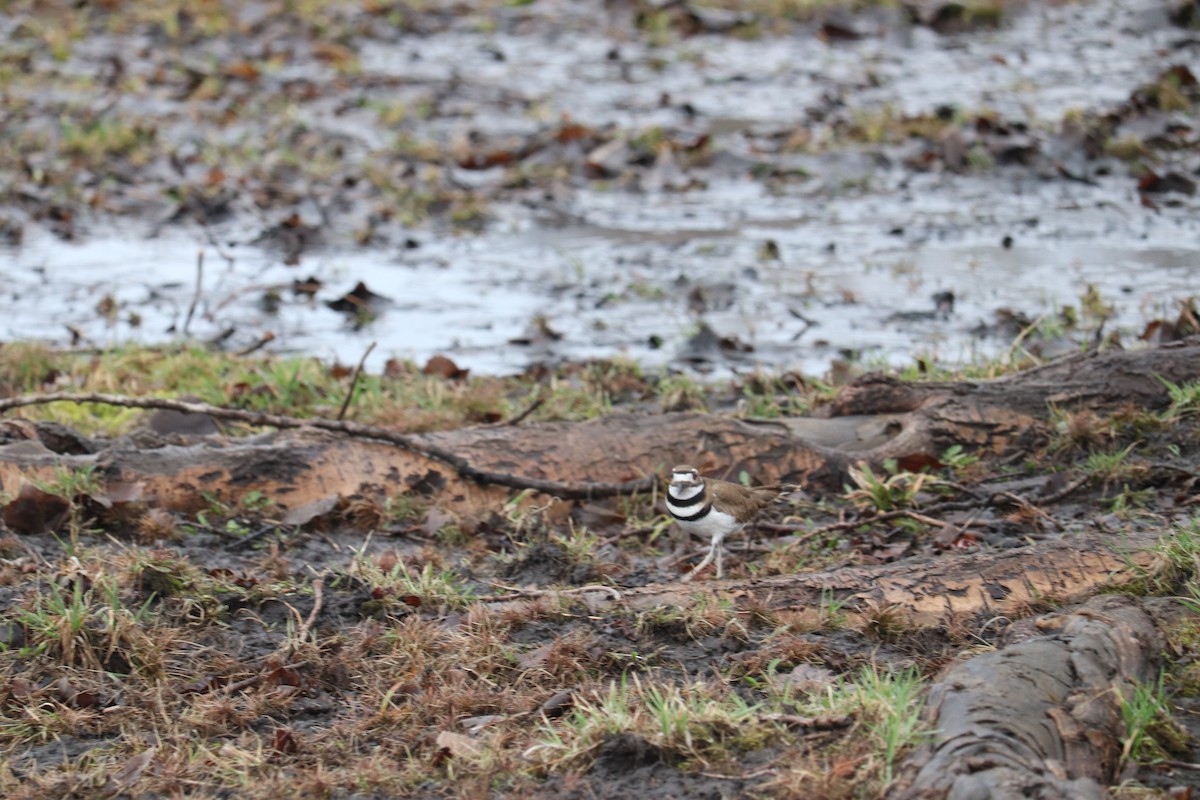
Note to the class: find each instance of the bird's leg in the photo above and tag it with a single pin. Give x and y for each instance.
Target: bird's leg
(708, 557)
(714, 549)
(719, 543)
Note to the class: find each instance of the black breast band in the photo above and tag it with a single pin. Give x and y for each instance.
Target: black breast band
(701, 514)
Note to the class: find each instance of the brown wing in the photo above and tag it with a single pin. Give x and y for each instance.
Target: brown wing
(744, 503)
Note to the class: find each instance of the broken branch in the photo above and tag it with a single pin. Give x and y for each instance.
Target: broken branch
(567, 490)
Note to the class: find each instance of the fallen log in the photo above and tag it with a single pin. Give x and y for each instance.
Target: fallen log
(299, 466)
(1095, 380)
(474, 470)
(1038, 718)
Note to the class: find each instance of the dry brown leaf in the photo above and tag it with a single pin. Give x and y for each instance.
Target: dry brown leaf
(458, 745)
(135, 767)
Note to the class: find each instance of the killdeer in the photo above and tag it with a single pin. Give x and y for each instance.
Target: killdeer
(712, 508)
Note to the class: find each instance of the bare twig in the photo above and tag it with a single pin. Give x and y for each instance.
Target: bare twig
(262, 342)
(843, 525)
(1022, 503)
(187, 322)
(1066, 490)
(517, 593)
(567, 490)
(318, 598)
(245, 683)
(242, 291)
(242, 542)
(254, 679)
(519, 418)
(354, 381)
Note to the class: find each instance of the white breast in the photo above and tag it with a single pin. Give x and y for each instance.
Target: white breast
(714, 524)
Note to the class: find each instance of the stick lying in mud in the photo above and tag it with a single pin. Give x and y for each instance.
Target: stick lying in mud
(567, 490)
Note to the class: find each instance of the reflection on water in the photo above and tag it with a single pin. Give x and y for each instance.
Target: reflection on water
(844, 255)
(612, 292)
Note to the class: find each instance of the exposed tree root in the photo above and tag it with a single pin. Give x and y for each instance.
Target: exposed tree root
(1040, 718)
(943, 592)
(415, 445)
(620, 453)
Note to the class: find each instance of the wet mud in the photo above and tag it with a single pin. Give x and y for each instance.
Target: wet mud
(524, 184)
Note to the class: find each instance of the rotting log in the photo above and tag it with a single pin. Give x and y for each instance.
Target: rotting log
(1039, 718)
(296, 467)
(475, 470)
(1095, 380)
(931, 592)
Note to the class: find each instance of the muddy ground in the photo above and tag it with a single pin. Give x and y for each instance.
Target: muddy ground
(383, 646)
(527, 186)
(523, 183)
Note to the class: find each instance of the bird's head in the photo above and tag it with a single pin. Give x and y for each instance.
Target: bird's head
(685, 476)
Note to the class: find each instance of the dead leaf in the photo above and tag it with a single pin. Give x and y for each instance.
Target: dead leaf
(387, 560)
(443, 367)
(457, 745)
(435, 520)
(476, 724)
(284, 741)
(359, 300)
(243, 70)
(132, 772)
(806, 679)
(558, 704)
(534, 658)
(310, 511)
(36, 511)
(332, 53)
(395, 368)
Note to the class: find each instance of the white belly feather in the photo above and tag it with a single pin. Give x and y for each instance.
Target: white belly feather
(714, 524)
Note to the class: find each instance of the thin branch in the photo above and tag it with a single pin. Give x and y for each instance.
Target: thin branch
(517, 593)
(242, 542)
(1066, 490)
(262, 342)
(318, 598)
(567, 490)
(187, 322)
(519, 418)
(354, 382)
(1024, 504)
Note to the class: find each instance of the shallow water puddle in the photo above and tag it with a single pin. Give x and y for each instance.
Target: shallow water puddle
(843, 257)
(609, 292)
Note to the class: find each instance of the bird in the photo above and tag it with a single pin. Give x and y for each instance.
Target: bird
(712, 508)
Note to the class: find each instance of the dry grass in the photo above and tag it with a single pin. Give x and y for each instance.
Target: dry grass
(155, 654)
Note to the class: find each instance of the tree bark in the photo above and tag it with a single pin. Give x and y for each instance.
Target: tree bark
(1040, 718)
(872, 420)
(946, 591)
